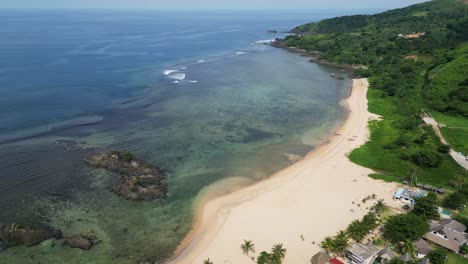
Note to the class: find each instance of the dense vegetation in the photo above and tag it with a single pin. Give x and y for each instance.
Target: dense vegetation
(416, 60)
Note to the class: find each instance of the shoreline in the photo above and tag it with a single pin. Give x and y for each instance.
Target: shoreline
(315, 57)
(214, 215)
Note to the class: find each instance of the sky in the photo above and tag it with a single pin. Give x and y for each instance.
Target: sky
(207, 4)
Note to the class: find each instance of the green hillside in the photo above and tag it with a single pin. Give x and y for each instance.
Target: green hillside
(416, 60)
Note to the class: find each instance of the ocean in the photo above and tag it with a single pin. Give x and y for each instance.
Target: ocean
(198, 94)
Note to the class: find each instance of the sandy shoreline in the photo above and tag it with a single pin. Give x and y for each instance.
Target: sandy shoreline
(312, 198)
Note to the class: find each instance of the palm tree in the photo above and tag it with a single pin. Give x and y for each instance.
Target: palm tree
(410, 248)
(247, 247)
(278, 252)
(264, 258)
(357, 230)
(340, 243)
(207, 261)
(327, 244)
(379, 207)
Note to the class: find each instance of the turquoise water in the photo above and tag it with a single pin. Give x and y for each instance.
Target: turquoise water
(238, 114)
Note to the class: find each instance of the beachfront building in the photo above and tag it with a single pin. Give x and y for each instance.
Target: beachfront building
(422, 247)
(320, 258)
(406, 258)
(386, 255)
(448, 233)
(324, 258)
(408, 195)
(362, 253)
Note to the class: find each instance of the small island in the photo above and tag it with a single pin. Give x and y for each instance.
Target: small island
(138, 181)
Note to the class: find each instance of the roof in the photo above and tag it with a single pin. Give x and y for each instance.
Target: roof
(320, 258)
(448, 233)
(335, 261)
(425, 261)
(406, 257)
(387, 253)
(363, 251)
(423, 247)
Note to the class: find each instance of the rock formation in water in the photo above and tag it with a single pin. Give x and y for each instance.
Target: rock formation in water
(81, 241)
(138, 181)
(15, 234)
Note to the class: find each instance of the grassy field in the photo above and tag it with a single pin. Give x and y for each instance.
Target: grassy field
(388, 162)
(456, 131)
(456, 259)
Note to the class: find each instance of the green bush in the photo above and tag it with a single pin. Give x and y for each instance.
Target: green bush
(402, 227)
(454, 200)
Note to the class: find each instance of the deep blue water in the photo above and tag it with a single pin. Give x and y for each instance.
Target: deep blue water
(61, 64)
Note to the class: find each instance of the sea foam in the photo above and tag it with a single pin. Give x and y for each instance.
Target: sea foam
(178, 76)
(167, 72)
(266, 41)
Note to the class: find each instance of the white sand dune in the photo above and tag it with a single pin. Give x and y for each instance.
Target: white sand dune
(313, 198)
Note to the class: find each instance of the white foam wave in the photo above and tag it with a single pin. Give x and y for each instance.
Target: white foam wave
(240, 52)
(183, 68)
(175, 81)
(167, 72)
(178, 76)
(200, 61)
(194, 81)
(266, 41)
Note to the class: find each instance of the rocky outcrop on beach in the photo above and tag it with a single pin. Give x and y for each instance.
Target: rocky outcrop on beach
(83, 242)
(15, 234)
(138, 181)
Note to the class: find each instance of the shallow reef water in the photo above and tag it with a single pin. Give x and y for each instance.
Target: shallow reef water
(235, 115)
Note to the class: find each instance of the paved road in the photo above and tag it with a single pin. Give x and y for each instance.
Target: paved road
(459, 158)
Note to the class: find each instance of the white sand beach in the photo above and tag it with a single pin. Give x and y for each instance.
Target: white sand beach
(312, 198)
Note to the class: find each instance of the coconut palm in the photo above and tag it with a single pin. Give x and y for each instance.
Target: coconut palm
(327, 244)
(357, 230)
(264, 258)
(247, 247)
(207, 261)
(278, 251)
(379, 207)
(409, 248)
(340, 243)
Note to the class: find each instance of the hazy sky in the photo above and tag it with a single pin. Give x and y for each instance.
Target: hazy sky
(206, 4)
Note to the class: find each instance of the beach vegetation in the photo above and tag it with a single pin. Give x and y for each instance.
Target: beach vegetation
(426, 207)
(276, 256)
(438, 256)
(379, 207)
(247, 247)
(208, 261)
(409, 248)
(399, 228)
(416, 60)
(454, 200)
(278, 252)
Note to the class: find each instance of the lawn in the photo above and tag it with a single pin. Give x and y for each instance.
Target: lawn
(456, 131)
(387, 161)
(456, 259)
(457, 138)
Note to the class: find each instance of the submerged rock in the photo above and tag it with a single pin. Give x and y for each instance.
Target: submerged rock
(138, 181)
(81, 241)
(15, 234)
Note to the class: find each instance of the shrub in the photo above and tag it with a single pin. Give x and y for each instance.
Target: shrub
(438, 256)
(402, 227)
(426, 208)
(426, 159)
(454, 200)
